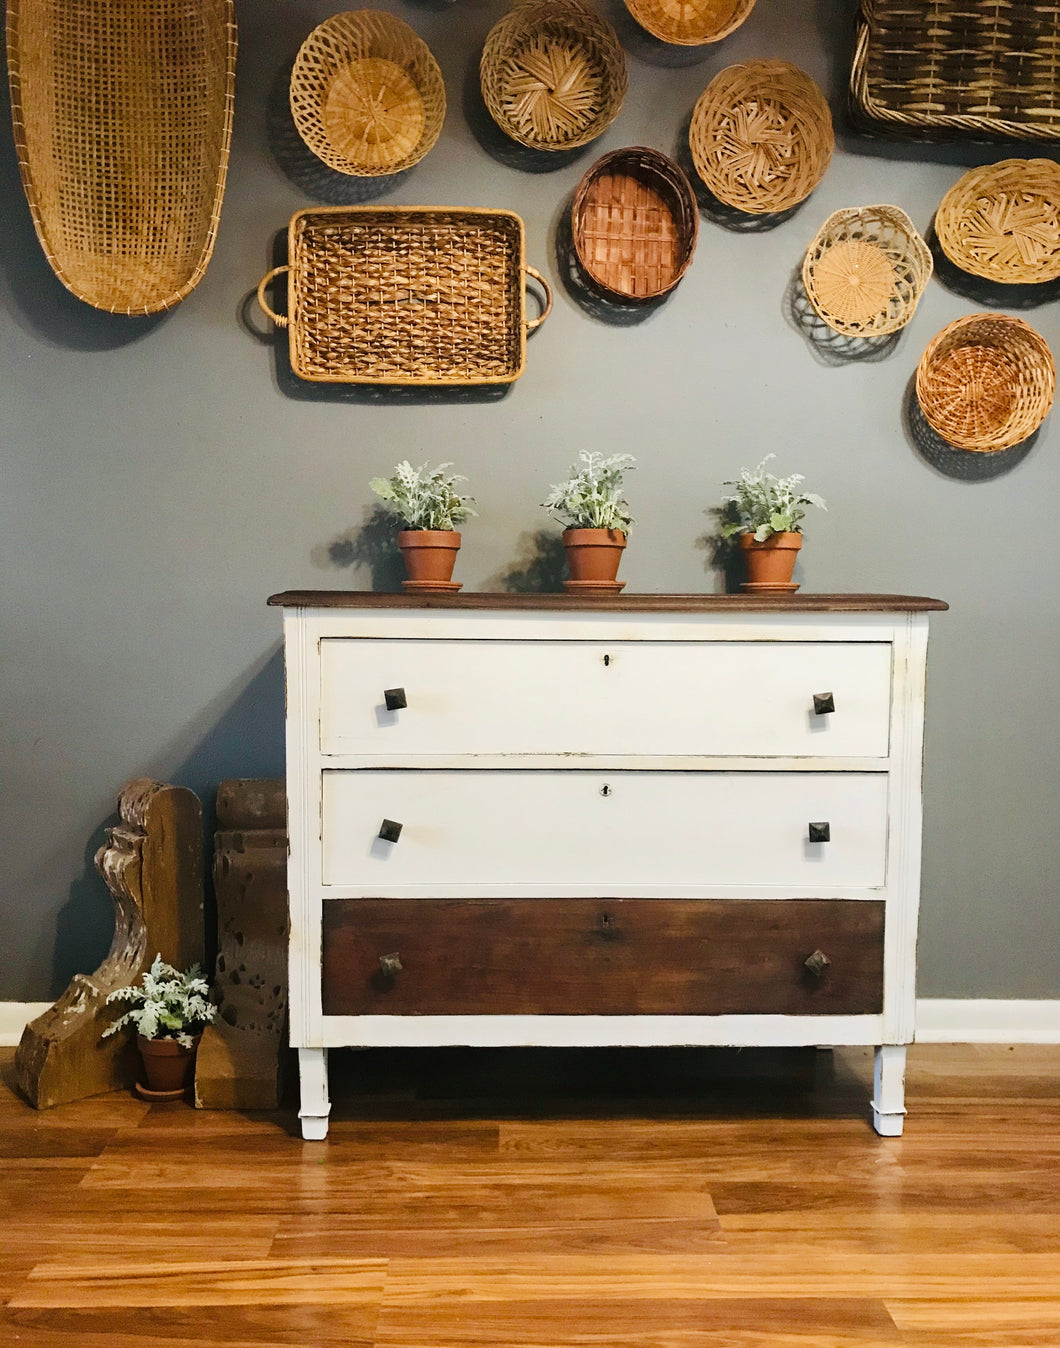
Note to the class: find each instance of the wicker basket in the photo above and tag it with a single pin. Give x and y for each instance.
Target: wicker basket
(761, 136)
(1002, 222)
(123, 161)
(406, 295)
(634, 224)
(553, 74)
(690, 23)
(367, 96)
(986, 382)
(865, 271)
(941, 69)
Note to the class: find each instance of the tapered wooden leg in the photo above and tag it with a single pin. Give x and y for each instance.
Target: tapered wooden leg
(888, 1097)
(313, 1077)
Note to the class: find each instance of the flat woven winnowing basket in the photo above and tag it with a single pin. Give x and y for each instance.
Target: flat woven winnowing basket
(940, 69)
(122, 116)
(367, 96)
(986, 382)
(865, 271)
(406, 295)
(1002, 222)
(761, 136)
(690, 23)
(553, 74)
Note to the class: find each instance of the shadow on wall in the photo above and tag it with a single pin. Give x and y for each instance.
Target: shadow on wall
(37, 297)
(964, 465)
(539, 568)
(828, 346)
(372, 544)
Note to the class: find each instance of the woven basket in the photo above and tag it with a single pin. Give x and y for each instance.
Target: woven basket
(690, 23)
(634, 224)
(986, 382)
(761, 136)
(553, 74)
(413, 295)
(123, 160)
(940, 69)
(367, 96)
(1002, 222)
(865, 271)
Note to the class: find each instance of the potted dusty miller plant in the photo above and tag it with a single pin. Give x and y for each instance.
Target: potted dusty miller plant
(592, 504)
(765, 512)
(169, 1011)
(427, 502)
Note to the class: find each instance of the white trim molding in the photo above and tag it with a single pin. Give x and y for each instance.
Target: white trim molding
(14, 1017)
(985, 1020)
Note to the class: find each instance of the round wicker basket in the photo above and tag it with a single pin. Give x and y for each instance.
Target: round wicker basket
(634, 224)
(690, 23)
(865, 271)
(986, 382)
(1002, 222)
(367, 96)
(761, 136)
(553, 74)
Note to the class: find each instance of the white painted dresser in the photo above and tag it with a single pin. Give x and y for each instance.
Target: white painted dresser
(639, 820)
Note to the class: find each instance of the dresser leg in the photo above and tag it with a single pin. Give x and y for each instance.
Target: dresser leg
(888, 1098)
(315, 1107)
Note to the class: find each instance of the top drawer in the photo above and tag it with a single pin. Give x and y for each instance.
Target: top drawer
(732, 699)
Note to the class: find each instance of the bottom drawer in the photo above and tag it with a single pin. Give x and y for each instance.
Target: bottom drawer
(601, 957)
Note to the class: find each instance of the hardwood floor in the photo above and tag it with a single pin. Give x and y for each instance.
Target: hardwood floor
(529, 1199)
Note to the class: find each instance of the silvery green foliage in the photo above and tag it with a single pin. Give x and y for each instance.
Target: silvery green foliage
(424, 497)
(591, 498)
(764, 504)
(168, 1005)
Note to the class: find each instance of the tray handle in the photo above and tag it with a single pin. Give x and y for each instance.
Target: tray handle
(281, 320)
(531, 323)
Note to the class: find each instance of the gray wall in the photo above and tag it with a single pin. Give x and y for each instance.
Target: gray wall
(163, 477)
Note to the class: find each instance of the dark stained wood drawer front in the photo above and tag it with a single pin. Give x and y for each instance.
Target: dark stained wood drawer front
(601, 957)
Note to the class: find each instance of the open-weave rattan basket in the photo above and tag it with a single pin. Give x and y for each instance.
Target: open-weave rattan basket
(761, 136)
(634, 224)
(553, 74)
(865, 271)
(412, 295)
(986, 382)
(122, 115)
(940, 69)
(1002, 222)
(690, 23)
(367, 96)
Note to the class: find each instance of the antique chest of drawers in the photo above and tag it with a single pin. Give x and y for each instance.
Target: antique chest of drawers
(653, 819)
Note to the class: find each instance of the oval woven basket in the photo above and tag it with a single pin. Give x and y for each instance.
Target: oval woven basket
(123, 161)
(367, 96)
(986, 382)
(761, 136)
(1002, 222)
(865, 271)
(553, 74)
(690, 23)
(634, 224)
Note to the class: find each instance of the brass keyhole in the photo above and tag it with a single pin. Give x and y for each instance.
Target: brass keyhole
(605, 790)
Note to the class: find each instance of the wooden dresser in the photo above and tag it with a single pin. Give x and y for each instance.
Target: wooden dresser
(646, 819)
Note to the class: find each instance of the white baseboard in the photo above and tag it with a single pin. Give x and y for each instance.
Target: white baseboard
(938, 1021)
(985, 1020)
(14, 1017)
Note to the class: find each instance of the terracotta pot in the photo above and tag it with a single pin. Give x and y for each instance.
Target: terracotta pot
(593, 555)
(771, 562)
(430, 555)
(167, 1064)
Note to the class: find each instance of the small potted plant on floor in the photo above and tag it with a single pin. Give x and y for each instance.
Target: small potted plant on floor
(168, 1010)
(592, 505)
(765, 512)
(425, 499)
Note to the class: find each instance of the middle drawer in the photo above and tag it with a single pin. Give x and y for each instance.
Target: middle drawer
(491, 832)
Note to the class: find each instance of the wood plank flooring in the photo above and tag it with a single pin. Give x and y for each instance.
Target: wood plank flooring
(528, 1199)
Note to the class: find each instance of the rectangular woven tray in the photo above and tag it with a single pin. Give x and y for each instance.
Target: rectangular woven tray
(958, 69)
(406, 295)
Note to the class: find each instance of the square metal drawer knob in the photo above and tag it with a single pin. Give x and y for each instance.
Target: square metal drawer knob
(820, 832)
(395, 699)
(390, 830)
(823, 703)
